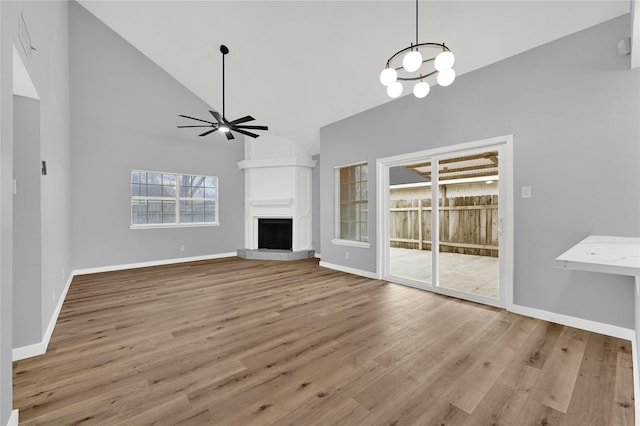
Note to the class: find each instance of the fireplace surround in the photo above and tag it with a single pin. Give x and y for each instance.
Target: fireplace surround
(277, 175)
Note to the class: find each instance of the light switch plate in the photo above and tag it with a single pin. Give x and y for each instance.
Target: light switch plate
(526, 192)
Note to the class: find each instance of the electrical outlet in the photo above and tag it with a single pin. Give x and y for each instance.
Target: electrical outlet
(347, 255)
(181, 248)
(526, 192)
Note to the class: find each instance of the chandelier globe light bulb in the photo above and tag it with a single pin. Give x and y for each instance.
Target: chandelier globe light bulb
(394, 90)
(412, 61)
(446, 77)
(444, 61)
(388, 76)
(421, 89)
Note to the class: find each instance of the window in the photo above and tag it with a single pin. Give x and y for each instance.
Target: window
(166, 199)
(353, 203)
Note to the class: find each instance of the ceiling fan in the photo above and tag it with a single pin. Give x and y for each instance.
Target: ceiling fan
(221, 123)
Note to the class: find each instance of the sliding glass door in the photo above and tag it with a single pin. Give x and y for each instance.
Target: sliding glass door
(452, 245)
(468, 219)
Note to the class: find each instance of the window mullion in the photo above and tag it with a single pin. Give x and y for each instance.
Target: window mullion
(177, 199)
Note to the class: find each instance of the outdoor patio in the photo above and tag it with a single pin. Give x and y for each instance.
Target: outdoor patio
(462, 272)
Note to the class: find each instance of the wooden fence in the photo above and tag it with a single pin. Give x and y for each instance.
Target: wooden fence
(468, 225)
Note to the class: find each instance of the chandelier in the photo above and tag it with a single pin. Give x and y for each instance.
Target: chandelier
(439, 60)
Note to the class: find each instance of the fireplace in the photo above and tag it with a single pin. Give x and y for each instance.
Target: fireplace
(275, 234)
(277, 176)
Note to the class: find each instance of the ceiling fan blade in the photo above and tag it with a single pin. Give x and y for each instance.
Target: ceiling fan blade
(182, 127)
(208, 132)
(229, 136)
(244, 132)
(216, 115)
(193, 118)
(243, 119)
(252, 127)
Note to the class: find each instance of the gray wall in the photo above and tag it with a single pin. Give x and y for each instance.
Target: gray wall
(49, 70)
(315, 200)
(27, 230)
(124, 116)
(572, 106)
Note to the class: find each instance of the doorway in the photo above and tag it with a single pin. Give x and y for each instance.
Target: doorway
(446, 220)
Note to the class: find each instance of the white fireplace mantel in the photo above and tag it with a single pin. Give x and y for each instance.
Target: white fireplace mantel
(277, 185)
(277, 162)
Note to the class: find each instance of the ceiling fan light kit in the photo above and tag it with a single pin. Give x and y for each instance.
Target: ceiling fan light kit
(221, 123)
(439, 60)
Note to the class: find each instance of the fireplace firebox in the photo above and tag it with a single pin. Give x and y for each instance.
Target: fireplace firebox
(275, 234)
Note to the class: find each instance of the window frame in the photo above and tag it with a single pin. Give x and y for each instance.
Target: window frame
(338, 237)
(177, 199)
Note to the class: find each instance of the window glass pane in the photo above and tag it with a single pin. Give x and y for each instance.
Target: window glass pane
(154, 190)
(135, 176)
(352, 231)
(198, 192)
(344, 192)
(185, 191)
(344, 230)
(198, 205)
(186, 205)
(154, 206)
(351, 212)
(352, 198)
(198, 216)
(209, 193)
(168, 218)
(186, 217)
(154, 178)
(169, 179)
(168, 191)
(186, 180)
(210, 182)
(364, 214)
(209, 217)
(138, 212)
(135, 189)
(154, 218)
(168, 207)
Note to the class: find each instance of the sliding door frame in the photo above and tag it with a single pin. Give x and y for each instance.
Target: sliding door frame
(505, 183)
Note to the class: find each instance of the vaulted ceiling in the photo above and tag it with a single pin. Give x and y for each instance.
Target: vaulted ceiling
(299, 65)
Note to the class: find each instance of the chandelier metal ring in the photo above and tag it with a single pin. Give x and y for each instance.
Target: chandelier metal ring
(441, 48)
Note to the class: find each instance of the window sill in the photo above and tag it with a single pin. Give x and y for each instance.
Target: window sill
(174, 225)
(351, 243)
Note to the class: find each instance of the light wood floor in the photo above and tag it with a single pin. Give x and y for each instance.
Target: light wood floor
(243, 342)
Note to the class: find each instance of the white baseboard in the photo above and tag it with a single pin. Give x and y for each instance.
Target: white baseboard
(111, 268)
(13, 419)
(317, 255)
(583, 324)
(40, 348)
(349, 270)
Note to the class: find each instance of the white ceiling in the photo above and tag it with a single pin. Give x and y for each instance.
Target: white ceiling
(298, 65)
